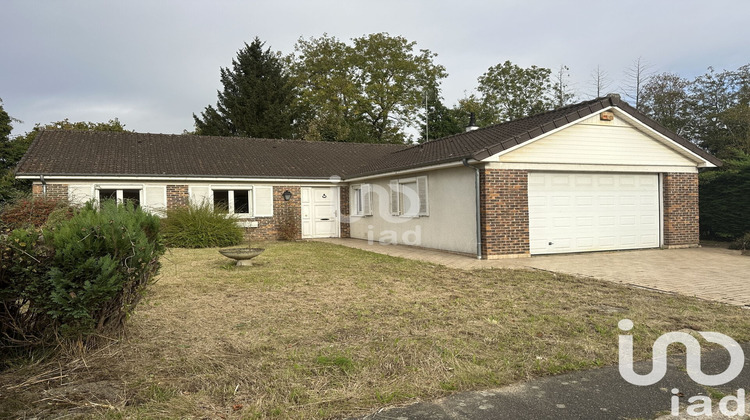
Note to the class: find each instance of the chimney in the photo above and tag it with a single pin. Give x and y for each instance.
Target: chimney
(472, 123)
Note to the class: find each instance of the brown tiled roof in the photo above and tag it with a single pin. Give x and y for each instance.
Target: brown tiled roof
(103, 153)
(69, 152)
(485, 142)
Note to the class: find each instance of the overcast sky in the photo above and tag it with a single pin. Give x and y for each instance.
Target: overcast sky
(153, 63)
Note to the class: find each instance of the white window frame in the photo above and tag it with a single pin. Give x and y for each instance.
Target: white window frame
(397, 194)
(361, 200)
(230, 192)
(118, 188)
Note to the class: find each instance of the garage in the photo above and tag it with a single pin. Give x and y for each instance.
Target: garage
(582, 212)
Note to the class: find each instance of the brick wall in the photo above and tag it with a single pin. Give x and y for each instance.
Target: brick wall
(56, 191)
(504, 212)
(680, 210)
(269, 227)
(344, 207)
(177, 196)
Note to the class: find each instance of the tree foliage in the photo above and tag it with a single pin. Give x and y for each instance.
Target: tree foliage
(510, 92)
(665, 98)
(256, 99)
(440, 121)
(368, 91)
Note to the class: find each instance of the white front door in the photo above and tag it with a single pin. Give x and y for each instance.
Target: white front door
(320, 211)
(578, 212)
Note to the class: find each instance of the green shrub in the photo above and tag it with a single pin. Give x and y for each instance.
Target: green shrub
(199, 226)
(82, 278)
(742, 243)
(725, 202)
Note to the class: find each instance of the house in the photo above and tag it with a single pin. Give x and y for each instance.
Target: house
(597, 175)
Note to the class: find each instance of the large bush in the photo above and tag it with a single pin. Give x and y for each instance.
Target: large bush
(31, 212)
(725, 202)
(83, 277)
(199, 226)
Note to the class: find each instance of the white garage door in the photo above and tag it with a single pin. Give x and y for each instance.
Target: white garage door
(579, 212)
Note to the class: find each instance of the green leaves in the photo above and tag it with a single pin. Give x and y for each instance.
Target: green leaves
(256, 100)
(368, 91)
(511, 92)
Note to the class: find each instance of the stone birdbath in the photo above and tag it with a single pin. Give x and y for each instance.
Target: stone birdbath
(243, 256)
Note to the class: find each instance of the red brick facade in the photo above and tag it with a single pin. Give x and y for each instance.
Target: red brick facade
(680, 210)
(283, 212)
(56, 191)
(177, 196)
(344, 210)
(504, 212)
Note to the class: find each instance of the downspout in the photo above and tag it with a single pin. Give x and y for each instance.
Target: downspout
(477, 206)
(44, 185)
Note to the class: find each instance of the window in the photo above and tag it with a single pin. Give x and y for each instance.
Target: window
(121, 195)
(409, 197)
(360, 200)
(232, 201)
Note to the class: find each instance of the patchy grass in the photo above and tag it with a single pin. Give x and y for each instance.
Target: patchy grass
(318, 331)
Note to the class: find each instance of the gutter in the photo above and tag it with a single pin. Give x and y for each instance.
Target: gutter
(477, 206)
(44, 185)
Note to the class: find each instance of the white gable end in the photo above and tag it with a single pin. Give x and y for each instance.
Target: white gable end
(595, 142)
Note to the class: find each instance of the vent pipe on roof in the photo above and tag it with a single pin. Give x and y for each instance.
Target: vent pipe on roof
(472, 123)
(614, 96)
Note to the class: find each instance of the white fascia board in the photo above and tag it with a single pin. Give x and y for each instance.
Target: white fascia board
(702, 162)
(328, 181)
(409, 171)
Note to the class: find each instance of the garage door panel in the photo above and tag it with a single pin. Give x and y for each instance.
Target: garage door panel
(570, 212)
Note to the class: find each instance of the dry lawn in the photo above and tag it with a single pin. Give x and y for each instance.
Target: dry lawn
(321, 331)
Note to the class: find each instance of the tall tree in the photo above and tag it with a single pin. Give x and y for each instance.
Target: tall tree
(636, 77)
(600, 81)
(561, 89)
(665, 99)
(256, 100)
(369, 91)
(512, 92)
(720, 114)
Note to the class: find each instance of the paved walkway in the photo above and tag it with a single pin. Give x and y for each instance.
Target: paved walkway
(708, 273)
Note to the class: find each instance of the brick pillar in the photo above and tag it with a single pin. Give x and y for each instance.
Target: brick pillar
(680, 210)
(177, 196)
(504, 211)
(344, 206)
(286, 211)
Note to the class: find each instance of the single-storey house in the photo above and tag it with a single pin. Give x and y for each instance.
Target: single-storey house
(597, 175)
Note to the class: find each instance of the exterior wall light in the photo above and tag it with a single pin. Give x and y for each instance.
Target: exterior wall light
(287, 195)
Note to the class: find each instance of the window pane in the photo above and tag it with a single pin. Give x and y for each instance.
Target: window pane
(221, 201)
(358, 201)
(241, 201)
(107, 195)
(133, 196)
(409, 199)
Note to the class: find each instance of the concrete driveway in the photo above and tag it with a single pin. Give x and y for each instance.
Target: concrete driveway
(709, 273)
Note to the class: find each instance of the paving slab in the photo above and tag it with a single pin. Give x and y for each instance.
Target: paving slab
(716, 274)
